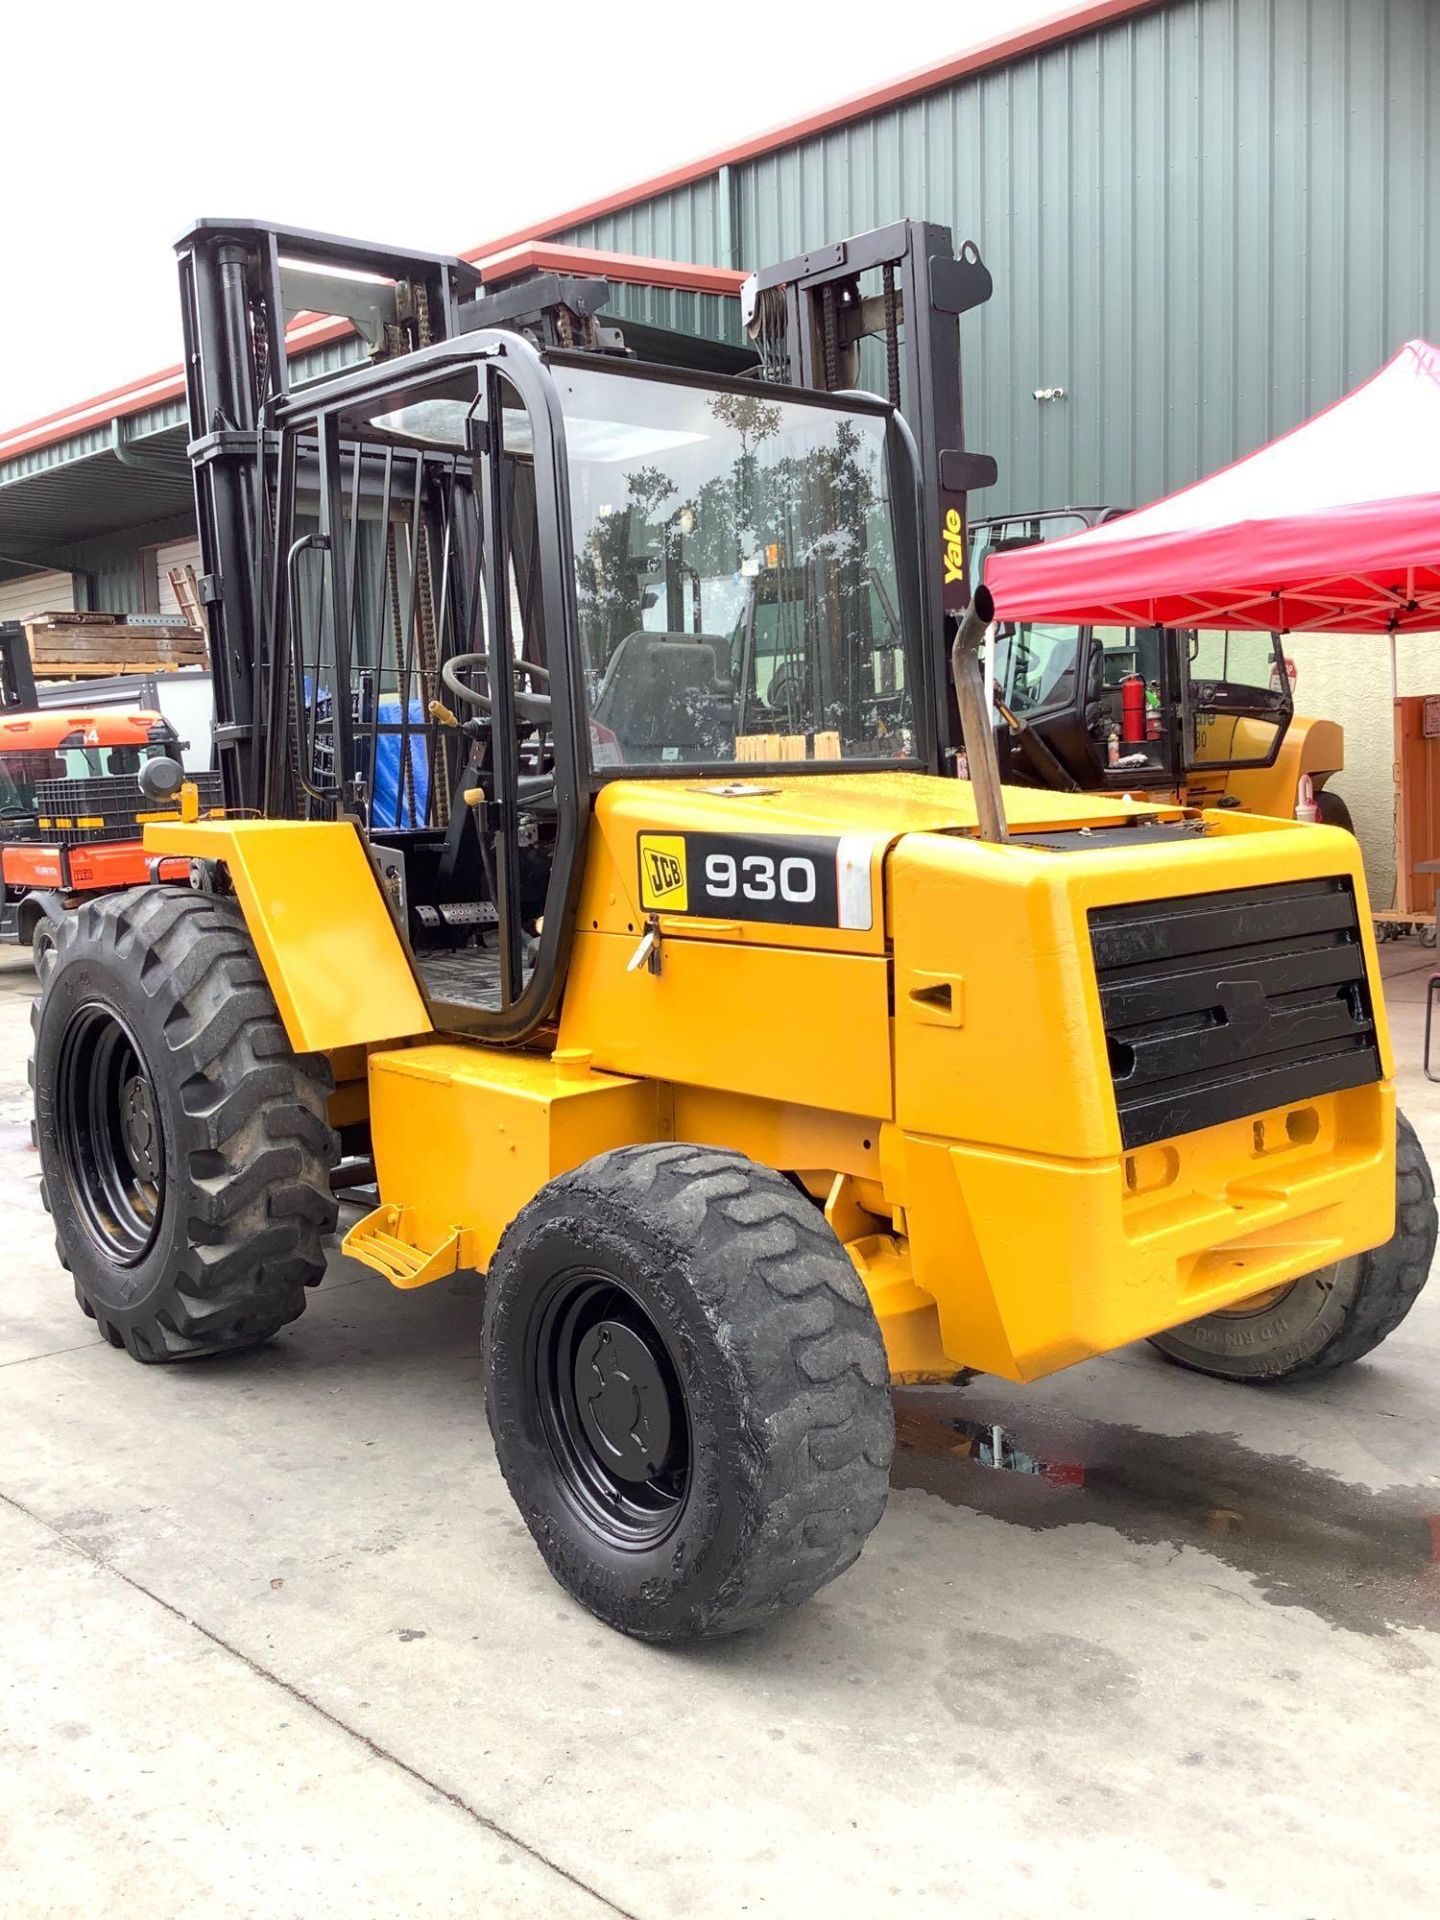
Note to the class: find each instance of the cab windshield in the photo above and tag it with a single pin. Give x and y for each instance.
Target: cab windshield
(737, 575)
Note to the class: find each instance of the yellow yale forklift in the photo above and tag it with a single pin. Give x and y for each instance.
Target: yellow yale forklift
(1213, 721)
(593, 887)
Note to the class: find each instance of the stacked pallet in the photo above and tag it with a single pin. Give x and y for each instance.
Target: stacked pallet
(70, 646)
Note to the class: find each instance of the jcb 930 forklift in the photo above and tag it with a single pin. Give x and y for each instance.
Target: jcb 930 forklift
(670, 976)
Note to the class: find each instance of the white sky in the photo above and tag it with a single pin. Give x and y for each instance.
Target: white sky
(437, 126)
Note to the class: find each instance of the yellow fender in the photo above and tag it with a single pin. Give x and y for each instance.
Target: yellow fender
(331, 952)
(1316, 747)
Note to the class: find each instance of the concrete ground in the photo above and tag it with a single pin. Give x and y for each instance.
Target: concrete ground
(273, 1641)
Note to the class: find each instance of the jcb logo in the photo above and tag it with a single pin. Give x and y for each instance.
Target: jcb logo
(952, 537)
(662, 872)
(666, 872)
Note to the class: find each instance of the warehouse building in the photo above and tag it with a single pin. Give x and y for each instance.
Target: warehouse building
(1205, 219)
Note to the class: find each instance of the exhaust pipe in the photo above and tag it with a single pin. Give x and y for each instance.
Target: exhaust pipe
(975, 726)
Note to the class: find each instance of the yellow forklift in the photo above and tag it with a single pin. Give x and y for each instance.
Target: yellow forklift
(676, 983)
(1207, 717)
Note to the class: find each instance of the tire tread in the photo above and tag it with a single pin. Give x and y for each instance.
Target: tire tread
(1391, 1279)
(256, 1147)
(778, 1287)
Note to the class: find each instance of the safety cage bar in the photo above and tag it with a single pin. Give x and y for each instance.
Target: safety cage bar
(347, 568)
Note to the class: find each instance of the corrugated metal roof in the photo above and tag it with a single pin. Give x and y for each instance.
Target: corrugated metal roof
(71, 490)
(92, 494)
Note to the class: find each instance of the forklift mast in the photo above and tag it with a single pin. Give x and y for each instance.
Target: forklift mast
(237, 291)
(809, 317)
(242, 282)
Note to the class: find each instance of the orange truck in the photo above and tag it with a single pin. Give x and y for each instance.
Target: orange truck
(72, 814)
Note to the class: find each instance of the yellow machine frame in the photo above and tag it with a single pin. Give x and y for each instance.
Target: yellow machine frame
(946, 1097)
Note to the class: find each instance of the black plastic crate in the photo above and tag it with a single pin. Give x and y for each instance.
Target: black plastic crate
(76, 813)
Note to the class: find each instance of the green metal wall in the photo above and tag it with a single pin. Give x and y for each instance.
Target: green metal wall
(1204, 221)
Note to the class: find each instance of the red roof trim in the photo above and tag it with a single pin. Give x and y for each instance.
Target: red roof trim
(153, 391)
(115, 393)
(304, 332)
(990, 53)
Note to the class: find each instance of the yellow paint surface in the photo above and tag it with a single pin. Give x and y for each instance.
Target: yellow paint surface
(330, 950)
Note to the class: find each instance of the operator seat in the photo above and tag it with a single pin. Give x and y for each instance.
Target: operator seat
(669, 696)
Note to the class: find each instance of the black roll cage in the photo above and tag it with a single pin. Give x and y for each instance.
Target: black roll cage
(259, 445)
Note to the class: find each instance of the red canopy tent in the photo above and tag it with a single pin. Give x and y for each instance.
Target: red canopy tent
(1335, 525)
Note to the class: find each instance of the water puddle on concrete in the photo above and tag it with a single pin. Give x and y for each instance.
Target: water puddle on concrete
(1367, 1562)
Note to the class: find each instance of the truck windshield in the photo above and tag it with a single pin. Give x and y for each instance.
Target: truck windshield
(1035, 663)
(18, 774)
(736, 560)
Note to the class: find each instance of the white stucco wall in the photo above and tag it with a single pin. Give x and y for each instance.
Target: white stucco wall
(1346, 677)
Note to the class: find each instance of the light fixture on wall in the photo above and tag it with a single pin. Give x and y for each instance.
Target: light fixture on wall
(1049, 393)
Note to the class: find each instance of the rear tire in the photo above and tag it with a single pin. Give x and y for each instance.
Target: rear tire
(688, 1390)
(1330, 1318)
(185, 1151)
(1333, 810)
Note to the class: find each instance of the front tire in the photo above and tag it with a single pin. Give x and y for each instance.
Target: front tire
(185, 1152)
(688, 1390)
(1329, 1318)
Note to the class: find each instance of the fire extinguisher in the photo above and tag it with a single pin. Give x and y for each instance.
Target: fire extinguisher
(1132, 707)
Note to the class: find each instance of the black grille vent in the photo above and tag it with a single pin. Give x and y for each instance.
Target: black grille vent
(1223, 1004)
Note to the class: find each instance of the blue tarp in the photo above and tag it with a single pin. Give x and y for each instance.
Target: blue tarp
(392, 806)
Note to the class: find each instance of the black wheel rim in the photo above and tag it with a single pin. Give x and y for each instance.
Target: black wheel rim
(612, 1408)
(110, 1134)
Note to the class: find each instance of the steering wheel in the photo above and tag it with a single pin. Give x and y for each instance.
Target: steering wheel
(533, 708)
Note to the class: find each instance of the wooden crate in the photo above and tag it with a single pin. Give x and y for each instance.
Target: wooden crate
(65, 646)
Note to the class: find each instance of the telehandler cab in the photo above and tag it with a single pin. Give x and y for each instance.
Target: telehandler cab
(665, 972)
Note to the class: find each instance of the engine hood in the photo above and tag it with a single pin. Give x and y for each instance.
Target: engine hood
(800, 860)
(891, 804)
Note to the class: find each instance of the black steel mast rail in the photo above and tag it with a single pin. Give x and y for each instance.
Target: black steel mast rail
(926, 288)
(285, 253)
